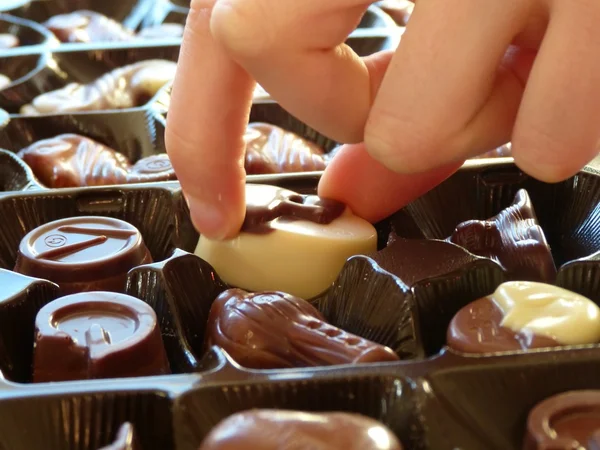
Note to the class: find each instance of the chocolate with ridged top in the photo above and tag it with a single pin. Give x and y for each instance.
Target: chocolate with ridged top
(71, 160)
(272, 429)
(125, 87)
(271, 330)
(87, 26)
(513, 238)
(97, 335)
(85, 253)
(125, 440)
(271, 149)
(566, 421)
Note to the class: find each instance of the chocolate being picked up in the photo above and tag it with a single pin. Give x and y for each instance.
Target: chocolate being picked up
(97, 335)
(289, 242)
(87, 26)
(272, 429)
(125, 440)
(567, 421)
(80, 254)
(8, 40)
(71, 160)
(522, 315)
(271, 149)
(273, 330)
(513, 238)
(125, 87)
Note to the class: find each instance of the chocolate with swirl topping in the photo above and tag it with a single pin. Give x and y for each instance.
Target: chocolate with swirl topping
(287, 205)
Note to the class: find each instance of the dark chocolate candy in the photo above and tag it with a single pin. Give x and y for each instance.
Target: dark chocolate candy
(567, 421)
(97, 335)
(125, 439)
(477, 328)
(513, 238)
(162, 31)
(287, 205)
(126, 87)
(271, 149)
(83, 253)
(71, 160)
(87, 26)
(8, 41)
(270, 330)
(281, 429)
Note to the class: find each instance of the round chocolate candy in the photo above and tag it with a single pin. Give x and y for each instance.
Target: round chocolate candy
(522, 315)
(277, 429)
(97, 335)
(567, 421)
(83, 253)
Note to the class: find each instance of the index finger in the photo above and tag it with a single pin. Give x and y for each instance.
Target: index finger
(208, 114)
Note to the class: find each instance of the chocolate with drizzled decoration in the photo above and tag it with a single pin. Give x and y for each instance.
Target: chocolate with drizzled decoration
(514, 238)
(71, 160)
(125, 87)
(270, 330)
(83, 253)
(566, 421)
(97, 335)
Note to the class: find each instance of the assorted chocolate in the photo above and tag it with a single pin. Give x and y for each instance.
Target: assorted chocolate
(272, 429)
(89, 26)
(274, 330)
(97, 335)
(71, 160)
(80, 254)
(289, 242)
(567, 421)
(513, 238)
(125, 87)
(523, 315)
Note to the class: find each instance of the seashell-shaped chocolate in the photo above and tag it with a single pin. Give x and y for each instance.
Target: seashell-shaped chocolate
(87, 26)
(270, 330)
(126, 87)
(271, 149)
(524, 315)
(125, 440)
(566, 421)
(513, 238)
(8, 40)
(71, 160)
(274, 429)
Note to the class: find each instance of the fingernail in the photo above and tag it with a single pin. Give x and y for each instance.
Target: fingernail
(209, 219)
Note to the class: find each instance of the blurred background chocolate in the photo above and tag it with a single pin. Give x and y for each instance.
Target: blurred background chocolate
(161, 31)
(4, 81)
(566, 421)
(71, 160)
(125, 87)
(97, 335)
(87, 26)
(83, 253)
(270, 330)
(8, 41)
(271, 149)
(283, 429)
(125, 439)
(514, 238)
(522, 316)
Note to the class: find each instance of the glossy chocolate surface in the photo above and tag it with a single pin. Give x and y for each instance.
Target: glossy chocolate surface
(71, 160)
(477, 328)
(566, 421)
(126, 87)
(282, 429)
(271, 149)
(83, 253)
(8, 41)
(270, 330)
(87, 26)
(288, 205)
(125, 440)
(513, 238)
(97, 335)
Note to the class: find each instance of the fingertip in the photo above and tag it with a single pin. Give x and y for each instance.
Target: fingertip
(216, 220)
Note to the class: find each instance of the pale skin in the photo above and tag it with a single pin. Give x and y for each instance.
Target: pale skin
(469, 75)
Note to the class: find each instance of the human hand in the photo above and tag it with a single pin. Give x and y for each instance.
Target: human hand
(468, 76)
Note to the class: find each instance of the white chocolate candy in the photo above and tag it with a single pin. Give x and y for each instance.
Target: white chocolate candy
(550, 311)
(300, 257)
